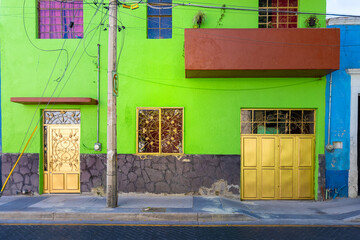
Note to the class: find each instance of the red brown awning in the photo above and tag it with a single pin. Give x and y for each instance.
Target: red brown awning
(232, 53)
(62, 100)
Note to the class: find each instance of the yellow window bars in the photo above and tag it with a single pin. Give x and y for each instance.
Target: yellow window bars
(277, 121)
(278, 13)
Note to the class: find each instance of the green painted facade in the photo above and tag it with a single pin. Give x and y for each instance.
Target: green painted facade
(151, 74)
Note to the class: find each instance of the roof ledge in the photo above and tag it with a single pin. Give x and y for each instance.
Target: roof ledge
(343, 21)
(353, 71)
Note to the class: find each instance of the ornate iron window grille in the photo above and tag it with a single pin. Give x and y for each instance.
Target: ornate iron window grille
(160, 131)
(62, 117)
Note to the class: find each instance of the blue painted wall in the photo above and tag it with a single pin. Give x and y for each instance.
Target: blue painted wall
(337, 162)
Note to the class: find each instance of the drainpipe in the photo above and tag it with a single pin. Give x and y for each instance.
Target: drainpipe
(97, 146)
(329, 147)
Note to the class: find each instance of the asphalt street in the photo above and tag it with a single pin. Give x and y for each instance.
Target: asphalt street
(78, 231)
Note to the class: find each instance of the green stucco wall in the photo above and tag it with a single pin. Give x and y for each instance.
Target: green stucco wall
(151, 74)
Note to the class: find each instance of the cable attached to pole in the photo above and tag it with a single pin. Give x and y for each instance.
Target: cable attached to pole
(7, 179)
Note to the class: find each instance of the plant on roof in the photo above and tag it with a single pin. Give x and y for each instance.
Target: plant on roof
(312, 22)
(199, 19)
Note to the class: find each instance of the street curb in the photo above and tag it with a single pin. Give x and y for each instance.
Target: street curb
(231, 217)
(27, 216)
(131, 217)
(126, 217)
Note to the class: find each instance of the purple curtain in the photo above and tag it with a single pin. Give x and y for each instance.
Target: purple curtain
(55, 18)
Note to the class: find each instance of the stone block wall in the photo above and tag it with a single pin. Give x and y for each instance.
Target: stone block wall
(188, 174)
(321, 178)
(25, 175)
(93, 171)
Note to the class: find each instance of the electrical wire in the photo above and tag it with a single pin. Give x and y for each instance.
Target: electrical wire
(91, 4)
(41, 49)
(68, 78)
(58, 94)
(121, 48)
(106, 13)
(220, 89)
(208, 5)
(259, 10)
(92, 56)
(229, 38)
(95, 2)
(58, 82)
(123, 39)
(47, 83)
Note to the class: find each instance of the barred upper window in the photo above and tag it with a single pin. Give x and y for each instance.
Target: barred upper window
(160, 130)
(159, 19)
(275, 13)
(277, 121)
(60, 19)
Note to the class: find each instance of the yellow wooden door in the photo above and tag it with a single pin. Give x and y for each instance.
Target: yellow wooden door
(63, 159)
(277, 167)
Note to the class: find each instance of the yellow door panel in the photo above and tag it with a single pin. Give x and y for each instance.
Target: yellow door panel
(58, 182)
(72, 181)
(268, 184)
(63, 158)
(250, 152)
(305, 146)
(286, 183)
(305, 188)
(277, 166)
(46, 185)
(268, 152)
(287, 151)
(250, 183)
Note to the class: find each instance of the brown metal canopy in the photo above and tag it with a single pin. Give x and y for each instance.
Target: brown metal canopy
(236, 53)
(62, 100)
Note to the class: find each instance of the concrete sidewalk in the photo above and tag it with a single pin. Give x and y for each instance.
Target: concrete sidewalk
(145, 209)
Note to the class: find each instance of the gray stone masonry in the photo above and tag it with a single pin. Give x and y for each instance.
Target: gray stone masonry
(188, 174)
(25, 175)
(93, 171)
(321, 178)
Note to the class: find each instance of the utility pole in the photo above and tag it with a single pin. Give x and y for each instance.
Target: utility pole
(111, 172)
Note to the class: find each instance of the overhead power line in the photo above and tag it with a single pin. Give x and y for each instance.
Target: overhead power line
(59, 79)
(206, 5)
(175, 4)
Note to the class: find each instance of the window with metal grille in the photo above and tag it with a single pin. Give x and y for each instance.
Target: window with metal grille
(278, 13)
(159, 19)
(60, 19)
(277, 121)
(160, 130)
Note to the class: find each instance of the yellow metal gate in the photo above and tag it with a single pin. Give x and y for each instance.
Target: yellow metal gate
(62, 152)
(277, 166)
